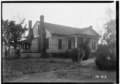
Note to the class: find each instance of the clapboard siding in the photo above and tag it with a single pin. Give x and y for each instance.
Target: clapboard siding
(34, 45)
(53, 43)
(53, 38)
(90, 44)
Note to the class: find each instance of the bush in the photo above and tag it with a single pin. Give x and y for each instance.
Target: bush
(44, 55)
(87, 52)
(84, 45)
(61, 55)
(17, 53)
(6, 53)
(105, 58)
(27, 56)
(13, 55)
(74, 55)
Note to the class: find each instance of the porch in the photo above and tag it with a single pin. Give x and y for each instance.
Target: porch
(25, 46)
(80, 38)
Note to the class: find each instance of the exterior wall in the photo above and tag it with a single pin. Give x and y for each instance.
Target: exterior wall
(35, 30)
(34, 45)
(90, 44)
(53, 43)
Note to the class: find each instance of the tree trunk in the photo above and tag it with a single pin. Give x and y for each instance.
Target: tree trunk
(6, 52)
(15, 44)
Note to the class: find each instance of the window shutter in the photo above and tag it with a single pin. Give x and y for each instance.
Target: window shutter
(60, 44)
(47, 43)
(69, 44)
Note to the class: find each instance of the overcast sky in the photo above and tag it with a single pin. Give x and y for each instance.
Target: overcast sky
(78, 15)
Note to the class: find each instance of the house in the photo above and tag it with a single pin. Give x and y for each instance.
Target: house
(59, 38)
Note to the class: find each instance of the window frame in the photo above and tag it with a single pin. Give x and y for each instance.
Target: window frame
(93, 45)
(69, 44)
(59, 43)
(47, 43)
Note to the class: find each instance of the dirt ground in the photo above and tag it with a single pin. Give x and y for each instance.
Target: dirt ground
(51, 77)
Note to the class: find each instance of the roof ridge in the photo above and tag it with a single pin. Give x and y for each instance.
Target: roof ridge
(68, 26)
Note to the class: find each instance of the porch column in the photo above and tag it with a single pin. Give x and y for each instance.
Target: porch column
(76, 42)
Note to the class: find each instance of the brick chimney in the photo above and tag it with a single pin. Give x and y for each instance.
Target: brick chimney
(42, 22)
(42, 18)
(42, 34)
(90, 26)
(30, 24)
(30, 34)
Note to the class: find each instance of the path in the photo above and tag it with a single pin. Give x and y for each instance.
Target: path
(47, 76)
(92, 60)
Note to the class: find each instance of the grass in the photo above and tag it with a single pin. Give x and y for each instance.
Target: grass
(64, 69)
(30, 66)
(87, 74)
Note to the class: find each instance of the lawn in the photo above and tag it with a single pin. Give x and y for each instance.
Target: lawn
(63, 69)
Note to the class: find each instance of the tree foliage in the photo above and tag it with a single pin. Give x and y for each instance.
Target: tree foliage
(106, 54)
(12, 33)
(84, 45)
(105, 58)
(82, 52)
(110, 34)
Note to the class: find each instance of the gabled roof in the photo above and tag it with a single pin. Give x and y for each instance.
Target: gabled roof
(29, 36)
(65, 30)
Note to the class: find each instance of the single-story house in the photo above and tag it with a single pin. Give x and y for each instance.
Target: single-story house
(59, 38)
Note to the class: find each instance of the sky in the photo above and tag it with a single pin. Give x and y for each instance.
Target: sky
(78, 15)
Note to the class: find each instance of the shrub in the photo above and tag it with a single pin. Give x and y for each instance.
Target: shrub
(44, 55)
(6, 53)
(61, 55)
(92, 55)
(27, 56)
(87, 52)
(13, 55)
(17, 53)
(74, 55)
(105, 58)
(84, 45)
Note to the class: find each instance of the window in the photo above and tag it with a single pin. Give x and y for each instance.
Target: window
(93, 45)
(60, 44)
(47, 43)
(26, 46)
(69, 44)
